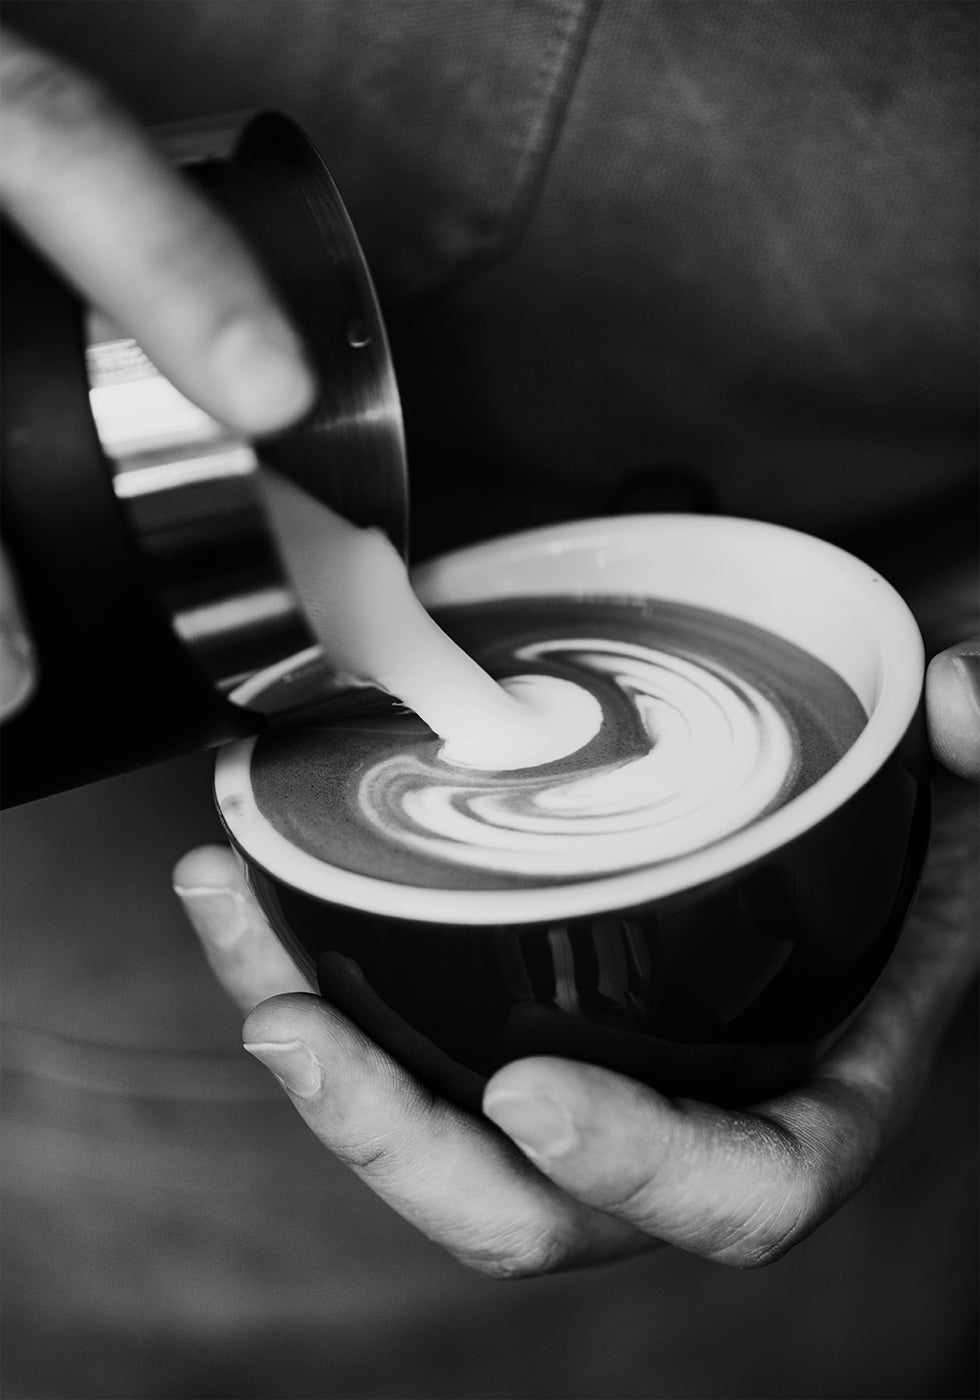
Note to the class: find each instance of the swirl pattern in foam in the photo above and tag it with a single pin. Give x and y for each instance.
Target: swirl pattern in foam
(708, 724)
(713, 754)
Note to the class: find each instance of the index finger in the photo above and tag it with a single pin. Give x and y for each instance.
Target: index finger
(85, 184)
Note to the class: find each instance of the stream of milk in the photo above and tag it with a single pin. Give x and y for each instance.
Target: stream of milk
(360, 602)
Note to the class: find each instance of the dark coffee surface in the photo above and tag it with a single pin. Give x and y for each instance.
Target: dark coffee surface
(709, 723)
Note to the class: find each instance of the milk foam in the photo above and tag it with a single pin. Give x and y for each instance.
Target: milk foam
(714, 755)
(359, 599)
(708, 725)
(548, 719)
(515, 788)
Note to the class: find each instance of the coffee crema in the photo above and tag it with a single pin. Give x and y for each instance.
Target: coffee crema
(709, 723)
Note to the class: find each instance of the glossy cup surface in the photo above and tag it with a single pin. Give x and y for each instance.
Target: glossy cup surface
(719, 975)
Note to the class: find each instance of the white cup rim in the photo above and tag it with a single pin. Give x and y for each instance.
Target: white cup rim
(900, 667)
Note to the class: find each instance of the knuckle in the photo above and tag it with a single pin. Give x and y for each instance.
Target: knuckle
(767, 1233)
(849, 1123)
(759, 1249)
(372, 1157)
(382, 1147)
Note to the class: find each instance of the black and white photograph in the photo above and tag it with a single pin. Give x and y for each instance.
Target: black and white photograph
(489, 699)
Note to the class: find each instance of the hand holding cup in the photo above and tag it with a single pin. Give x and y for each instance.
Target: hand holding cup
(617, 1165)
(628, 1169)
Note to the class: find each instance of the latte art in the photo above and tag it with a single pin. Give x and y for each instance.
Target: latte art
(708, 754)
(707, 724)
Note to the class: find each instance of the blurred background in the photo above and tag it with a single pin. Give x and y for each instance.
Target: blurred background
(632, 257)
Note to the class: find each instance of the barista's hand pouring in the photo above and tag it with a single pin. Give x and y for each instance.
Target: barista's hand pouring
(87, 187)
(608, 1167)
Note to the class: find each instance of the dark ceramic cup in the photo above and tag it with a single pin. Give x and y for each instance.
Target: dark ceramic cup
(719, 975)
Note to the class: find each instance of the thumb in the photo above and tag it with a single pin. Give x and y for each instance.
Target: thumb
(953, 708)
(728, 1186)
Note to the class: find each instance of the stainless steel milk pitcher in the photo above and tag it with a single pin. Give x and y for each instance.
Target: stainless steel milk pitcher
(153, 581)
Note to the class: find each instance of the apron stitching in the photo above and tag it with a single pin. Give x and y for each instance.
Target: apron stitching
(548, 101)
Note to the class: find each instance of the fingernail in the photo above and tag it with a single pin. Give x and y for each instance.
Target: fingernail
(292, 1063)
(537, 1124)
(967, 669)
(264, 372)
(217, 913)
